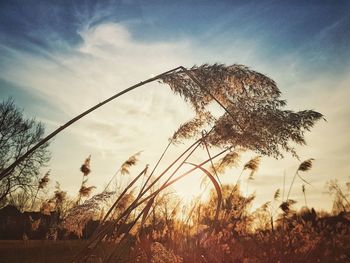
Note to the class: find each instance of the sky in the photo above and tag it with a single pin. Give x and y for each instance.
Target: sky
(58, 58)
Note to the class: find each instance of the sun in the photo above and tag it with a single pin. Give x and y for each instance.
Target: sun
(190, 187)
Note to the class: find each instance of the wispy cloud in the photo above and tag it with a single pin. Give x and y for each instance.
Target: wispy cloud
(107, 61)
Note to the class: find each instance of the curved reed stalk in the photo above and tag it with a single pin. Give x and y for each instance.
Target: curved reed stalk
(249, 99)
(217, 188)
(8, 170)
(180, 177)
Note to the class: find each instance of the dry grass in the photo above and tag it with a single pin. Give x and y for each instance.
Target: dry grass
(238, 235)
(140, 227)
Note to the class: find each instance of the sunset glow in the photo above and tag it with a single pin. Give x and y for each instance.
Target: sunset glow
(59, 59)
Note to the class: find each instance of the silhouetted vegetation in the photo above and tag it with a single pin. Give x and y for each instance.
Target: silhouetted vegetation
(141, 220)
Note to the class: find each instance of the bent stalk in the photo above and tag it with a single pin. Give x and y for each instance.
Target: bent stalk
(7, 171)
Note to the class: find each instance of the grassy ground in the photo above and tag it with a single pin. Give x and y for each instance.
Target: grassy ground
(38, 250)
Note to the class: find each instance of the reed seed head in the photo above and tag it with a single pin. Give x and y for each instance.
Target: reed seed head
(306, 165)
(85, 168)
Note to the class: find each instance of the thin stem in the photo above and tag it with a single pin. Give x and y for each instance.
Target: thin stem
(115, 251)
(211, 161)
(234, 187)
(305, 198)
(79, 195)
(195, 145)
(154, 169)
(247, 187)
(340, 192)
(123, 193)
(284, 184)
(110, 181)
(283, 216)
(239, 177)
(291, 185)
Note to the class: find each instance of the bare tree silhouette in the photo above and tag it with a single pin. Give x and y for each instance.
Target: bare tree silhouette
(17, 136)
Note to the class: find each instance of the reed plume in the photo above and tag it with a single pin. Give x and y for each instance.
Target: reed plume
(131, 161)
(231, 159)
(79, 215)
(85, 191)
(59, 197)
(124, 169)
(43, 182)
(286, 206)
(253, 116)
(305, 166)
(85, 167)
(277, 194)
(252, 164)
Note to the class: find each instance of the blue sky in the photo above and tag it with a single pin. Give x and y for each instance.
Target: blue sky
(58, 58)
(311, 27)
